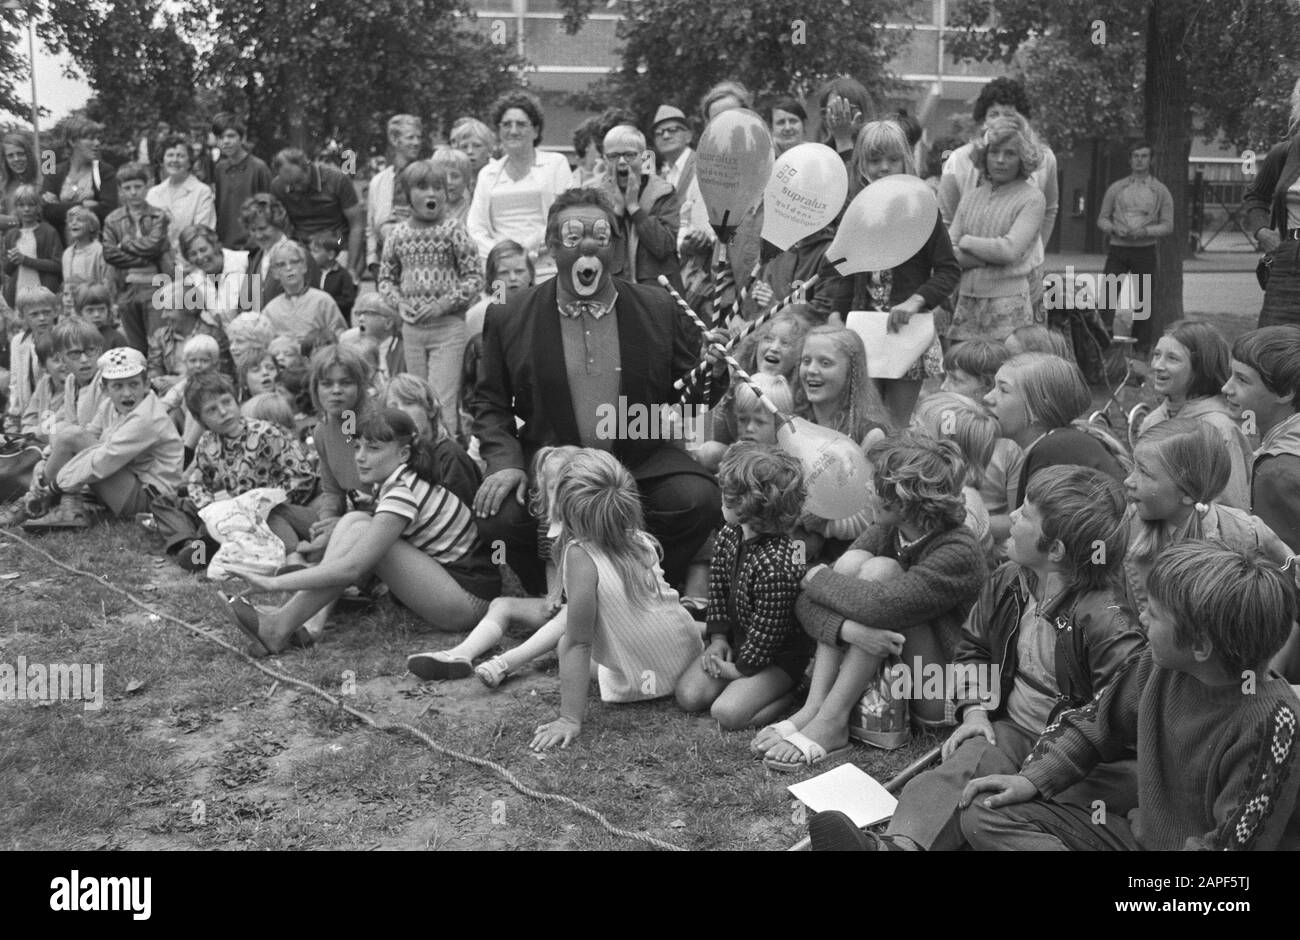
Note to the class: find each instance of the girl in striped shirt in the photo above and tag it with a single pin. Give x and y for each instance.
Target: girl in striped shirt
(421, 542)
(619, 611)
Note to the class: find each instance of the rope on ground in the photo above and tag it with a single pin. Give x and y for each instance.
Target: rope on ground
(395, 727)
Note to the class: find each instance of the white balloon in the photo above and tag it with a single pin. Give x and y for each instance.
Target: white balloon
(836, 472)
(732, 165)
(804, 194)
(885, 224)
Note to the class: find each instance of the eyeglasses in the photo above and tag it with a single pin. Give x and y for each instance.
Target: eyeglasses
(572, 231)
(628, 155)
(670, 130)
(81, 354)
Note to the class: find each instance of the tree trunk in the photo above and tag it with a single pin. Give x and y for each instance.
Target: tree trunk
(1168, 127)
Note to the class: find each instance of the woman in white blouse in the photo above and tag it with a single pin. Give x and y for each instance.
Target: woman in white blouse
(182, 195)
(514, 193)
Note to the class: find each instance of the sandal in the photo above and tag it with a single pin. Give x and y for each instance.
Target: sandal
(783, 729)
(439, 665)
(245, 616)
(811, 754)
(492, 672)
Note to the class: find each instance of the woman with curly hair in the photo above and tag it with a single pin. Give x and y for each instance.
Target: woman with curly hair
(513, 194)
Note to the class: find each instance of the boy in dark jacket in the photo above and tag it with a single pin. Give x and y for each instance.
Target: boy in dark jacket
(1047, 633)
(1218, 767)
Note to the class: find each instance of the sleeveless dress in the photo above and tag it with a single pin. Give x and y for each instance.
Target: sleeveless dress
(641, 650)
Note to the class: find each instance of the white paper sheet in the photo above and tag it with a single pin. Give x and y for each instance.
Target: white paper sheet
(851, 791)
(890, 355)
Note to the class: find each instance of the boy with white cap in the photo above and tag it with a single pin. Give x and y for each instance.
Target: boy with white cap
(128, 455)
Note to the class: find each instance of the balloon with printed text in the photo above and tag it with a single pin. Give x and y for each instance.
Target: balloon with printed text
(805, 192)
(836, 472)
(732, 164)
(887, 223)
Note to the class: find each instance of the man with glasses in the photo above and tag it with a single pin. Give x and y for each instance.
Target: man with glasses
(646, 210)
(574, 361)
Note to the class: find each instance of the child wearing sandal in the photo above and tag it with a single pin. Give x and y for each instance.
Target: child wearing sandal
(619, 611)
(916, 570)
(756, 654)
(421, 542)
(538, 614)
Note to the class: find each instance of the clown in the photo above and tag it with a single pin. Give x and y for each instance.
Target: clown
(556, 357)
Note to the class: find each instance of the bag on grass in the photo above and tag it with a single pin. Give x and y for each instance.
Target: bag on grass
(247, 542)
(882, 717)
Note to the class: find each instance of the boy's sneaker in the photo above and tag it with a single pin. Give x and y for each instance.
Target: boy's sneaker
(72, 512)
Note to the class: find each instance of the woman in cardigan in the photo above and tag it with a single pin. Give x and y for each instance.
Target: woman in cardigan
(1189, 367)
(1272, 208)
(513, 194)
(994, 233)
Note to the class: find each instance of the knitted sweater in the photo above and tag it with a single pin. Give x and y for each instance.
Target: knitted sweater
(1217, 766)
(429, 271)
(941, 578)
(761, 592)
(1002, 225)
(313, 309)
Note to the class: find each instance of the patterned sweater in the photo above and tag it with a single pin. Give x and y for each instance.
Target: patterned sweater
(429, 271)
(759, 581)
(264, 455)
(1217, 767)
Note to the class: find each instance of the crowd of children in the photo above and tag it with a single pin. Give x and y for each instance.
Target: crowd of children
(1093, 609)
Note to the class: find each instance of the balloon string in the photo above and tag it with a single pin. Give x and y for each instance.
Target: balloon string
(750, 327)
(722, 351)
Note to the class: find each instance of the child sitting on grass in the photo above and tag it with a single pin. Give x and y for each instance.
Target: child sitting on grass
(968, 424)
(72, 350)
(619, 611)
(1047, 633)
(233, 455)
(94, 303)
(37, 310)
(916, 570)
(1215, 731)
(756, 654)
(538, 614)
(129, 455)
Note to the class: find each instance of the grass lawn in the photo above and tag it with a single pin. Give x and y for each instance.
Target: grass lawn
(195, 748)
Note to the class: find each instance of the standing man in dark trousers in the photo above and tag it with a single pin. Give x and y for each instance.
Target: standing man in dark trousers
(1135, 211)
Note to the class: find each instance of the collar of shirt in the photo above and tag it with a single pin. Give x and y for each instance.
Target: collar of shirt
(596, 307)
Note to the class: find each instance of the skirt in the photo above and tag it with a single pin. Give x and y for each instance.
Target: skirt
(991, 318)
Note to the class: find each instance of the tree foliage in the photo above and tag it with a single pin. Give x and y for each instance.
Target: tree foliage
(674, 50)
(307, 70)
(1243, 58)
(133, 56)
(13, 64)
